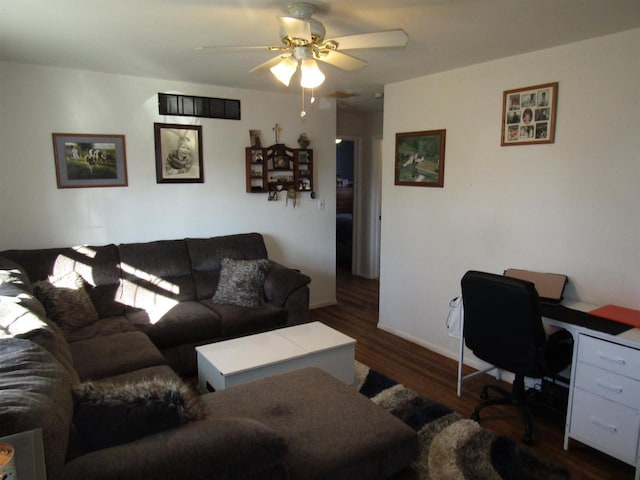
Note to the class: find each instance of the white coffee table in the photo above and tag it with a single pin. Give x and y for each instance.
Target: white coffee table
(231, 362)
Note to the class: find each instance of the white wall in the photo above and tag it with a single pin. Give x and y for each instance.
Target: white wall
(569, 207)
(36, 101)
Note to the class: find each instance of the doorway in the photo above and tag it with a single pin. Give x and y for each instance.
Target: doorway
(345, 177)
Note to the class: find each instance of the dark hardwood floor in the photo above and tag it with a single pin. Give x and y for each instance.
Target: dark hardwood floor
(434, 376)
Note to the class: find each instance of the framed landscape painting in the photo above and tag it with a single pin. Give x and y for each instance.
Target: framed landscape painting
(420, 158)
(529, 115)
(89, 160)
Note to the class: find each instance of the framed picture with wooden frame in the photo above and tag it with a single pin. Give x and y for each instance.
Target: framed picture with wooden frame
(420, 158)
(178, 153)
(529, 115)
(90, 160)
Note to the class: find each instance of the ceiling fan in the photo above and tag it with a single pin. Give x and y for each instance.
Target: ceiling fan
(303, 42)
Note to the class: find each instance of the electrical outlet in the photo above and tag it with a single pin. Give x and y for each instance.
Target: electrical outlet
(321, 204)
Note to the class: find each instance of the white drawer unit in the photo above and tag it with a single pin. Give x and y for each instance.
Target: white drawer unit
(610, 356)
(604, 412)
(607, 426)
(618, 388)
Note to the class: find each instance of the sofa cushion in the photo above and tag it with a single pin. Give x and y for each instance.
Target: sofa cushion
(224, 448)
(16, 321)
(159, 371)
(24, 297)
(107, 413)
(184, 323)
(156, 275)
(281, 281)
(23, 316)
(241, 282)
(66, 301)
(77, 445)
(235, 320)
(332, 431)
(101, 328)
(35, 392)
(99, 266)
(115, 354)
(13, 273)
(207, 253)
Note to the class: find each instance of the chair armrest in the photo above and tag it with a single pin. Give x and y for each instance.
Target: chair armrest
(281, 281)
(218, 448)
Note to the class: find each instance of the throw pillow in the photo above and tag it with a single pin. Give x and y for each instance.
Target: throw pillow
(242, 282)
(66, 301)
(108, 414)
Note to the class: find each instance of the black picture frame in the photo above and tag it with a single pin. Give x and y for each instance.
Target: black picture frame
(178, 153)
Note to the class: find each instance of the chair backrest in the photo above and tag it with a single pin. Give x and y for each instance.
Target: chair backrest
(502, 323)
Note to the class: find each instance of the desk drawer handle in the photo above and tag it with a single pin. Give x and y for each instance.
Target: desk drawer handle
(607, 426)
(610, 388)
(616, 360)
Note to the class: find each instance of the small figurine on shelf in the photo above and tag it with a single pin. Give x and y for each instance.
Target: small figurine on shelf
(291, 195)
(303, 140)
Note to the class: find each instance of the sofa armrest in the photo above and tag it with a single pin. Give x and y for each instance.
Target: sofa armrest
(229, 447)
(281, 282)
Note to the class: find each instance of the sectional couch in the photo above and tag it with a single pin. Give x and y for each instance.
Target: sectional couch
(108, 394)
(164, 289)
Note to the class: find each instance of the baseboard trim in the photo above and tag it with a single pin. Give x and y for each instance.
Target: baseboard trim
(323, 304)
(469, 359)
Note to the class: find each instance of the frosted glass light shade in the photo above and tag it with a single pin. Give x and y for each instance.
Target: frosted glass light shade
(284, 70)
(311, 77)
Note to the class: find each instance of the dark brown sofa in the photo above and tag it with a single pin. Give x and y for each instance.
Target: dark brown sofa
(300, 425)
(165, 288)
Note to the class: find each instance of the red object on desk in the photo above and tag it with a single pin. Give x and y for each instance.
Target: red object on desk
(628, 316)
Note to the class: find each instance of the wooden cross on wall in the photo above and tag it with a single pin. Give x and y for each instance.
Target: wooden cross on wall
(277, 129)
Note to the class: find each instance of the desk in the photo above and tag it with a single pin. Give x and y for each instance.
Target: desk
(603, 410)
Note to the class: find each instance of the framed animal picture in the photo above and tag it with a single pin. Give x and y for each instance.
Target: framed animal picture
(90, 160)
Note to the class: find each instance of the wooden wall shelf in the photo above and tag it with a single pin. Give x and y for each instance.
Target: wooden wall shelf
(279, 167)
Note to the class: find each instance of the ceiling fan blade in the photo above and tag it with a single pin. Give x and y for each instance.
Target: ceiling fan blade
(386, 39)
(269, 63)
(230, 48)
(296, 28)
(341, 60)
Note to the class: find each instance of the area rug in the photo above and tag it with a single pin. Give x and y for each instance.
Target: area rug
(453, 447)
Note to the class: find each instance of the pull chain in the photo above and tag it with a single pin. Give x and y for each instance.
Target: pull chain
(302, 112)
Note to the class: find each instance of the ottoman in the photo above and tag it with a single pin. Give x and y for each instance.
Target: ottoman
(331, 430)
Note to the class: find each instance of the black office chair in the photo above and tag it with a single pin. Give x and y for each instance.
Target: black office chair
(503, 326)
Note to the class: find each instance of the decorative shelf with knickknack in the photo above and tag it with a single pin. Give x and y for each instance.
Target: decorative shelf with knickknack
(279, 167)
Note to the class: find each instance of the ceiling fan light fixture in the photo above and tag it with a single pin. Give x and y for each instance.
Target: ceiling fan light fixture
(284, 70)
(311, 75)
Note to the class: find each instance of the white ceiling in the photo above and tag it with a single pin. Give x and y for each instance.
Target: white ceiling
(156, 38)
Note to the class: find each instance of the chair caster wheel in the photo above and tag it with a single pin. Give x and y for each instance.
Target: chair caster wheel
(475, 416)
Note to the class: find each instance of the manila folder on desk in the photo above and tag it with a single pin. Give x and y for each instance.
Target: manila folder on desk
(550, 286)
(618, 314)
